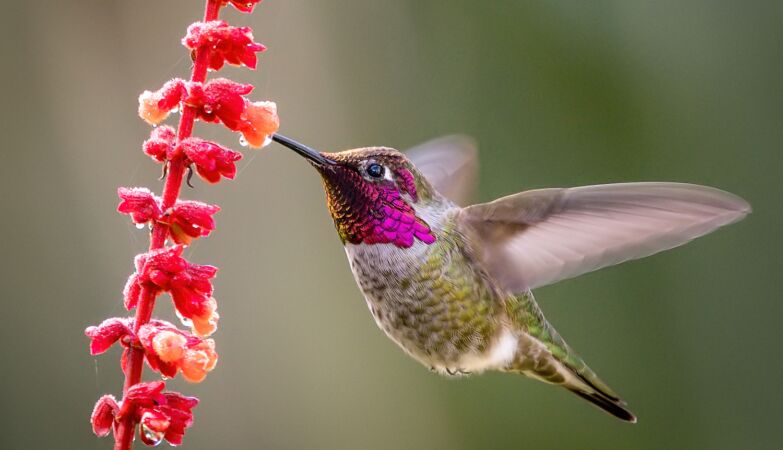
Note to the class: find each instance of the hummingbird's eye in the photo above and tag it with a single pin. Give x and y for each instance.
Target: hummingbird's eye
(375, 170)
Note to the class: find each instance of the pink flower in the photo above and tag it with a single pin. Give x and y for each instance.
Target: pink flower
(188, 284)
(160, 145)
(170, 350)
(154, 107)
(233, 45)
(245, 6)
(212, 160)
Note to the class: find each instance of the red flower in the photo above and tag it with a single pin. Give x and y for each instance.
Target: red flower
(245, 6)
(103, 415)
(139, 203)
(225, 43)
(169, 350)
(212, 160)
(189, 219)
(162, 415)
(160, 145)
(188, 284)
(154, 107)
(223, 100)
(107, 333)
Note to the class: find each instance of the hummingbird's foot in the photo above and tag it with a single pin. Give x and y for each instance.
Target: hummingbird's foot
(457, 372)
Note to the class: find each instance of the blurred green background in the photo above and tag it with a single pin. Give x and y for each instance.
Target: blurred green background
(557, 93)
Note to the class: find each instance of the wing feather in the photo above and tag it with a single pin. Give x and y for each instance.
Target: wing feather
(450, 164)
(538, 237)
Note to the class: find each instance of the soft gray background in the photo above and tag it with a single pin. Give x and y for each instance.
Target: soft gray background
(557, 93)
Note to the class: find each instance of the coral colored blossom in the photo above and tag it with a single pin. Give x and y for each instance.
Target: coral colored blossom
(260, 122)
(169, 350)
(154, 107)
(227, 44)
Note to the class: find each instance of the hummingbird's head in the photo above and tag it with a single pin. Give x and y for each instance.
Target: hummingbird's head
(372, 193)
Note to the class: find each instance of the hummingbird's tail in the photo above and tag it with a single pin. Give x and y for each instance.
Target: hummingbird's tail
(609, 403)
(544, 355)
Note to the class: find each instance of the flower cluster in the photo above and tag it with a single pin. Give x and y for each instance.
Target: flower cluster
(218, 100)
(162, 415)
(173, 224)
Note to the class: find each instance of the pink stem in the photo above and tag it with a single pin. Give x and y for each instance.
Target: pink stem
(126, 427)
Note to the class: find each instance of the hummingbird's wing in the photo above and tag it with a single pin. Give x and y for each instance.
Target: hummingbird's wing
(538, 237)
(450, 163)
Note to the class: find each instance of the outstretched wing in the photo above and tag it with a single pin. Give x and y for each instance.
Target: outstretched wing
(538, 237)
(450, 164)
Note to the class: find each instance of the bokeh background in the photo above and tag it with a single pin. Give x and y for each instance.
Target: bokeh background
(557, 94)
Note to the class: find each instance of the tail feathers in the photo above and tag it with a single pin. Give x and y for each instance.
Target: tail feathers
(612, 405)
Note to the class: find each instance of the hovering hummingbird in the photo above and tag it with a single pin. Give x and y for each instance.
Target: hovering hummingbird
(451, 285)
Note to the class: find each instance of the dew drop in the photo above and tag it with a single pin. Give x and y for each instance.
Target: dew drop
(151, 437)
(208, 109)
(242, 140)
(139, 226)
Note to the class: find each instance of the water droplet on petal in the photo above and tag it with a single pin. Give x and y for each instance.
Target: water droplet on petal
(242, 140)
(150, 436)
(208, 109)
(139, 226)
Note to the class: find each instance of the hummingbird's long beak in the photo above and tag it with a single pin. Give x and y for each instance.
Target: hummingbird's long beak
(303, 150)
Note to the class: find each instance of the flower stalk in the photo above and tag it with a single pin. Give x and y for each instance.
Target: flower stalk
(166, 349)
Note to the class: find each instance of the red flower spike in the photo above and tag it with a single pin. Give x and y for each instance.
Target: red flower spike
(140, 203)
(245, 6)
(154, 107)
(260, 122)
(107, 333)
(160, 145)
(103, 415)
(190, 219)
(233, 45)
(166, 415)
(212, 160)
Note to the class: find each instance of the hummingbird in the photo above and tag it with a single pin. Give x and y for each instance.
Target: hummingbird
(451, 284)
